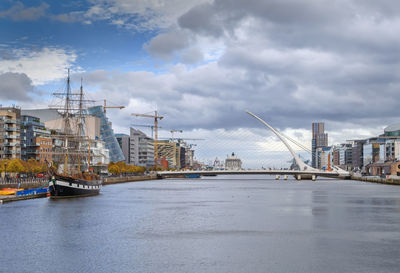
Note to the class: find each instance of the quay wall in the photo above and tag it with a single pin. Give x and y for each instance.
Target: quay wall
(389, 181)
(124, 179)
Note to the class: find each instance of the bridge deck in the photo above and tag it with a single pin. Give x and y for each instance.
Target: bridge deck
(241, 172)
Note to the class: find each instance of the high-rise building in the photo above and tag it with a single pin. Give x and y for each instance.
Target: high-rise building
(10, 141)
(107, 134)
(319, 139)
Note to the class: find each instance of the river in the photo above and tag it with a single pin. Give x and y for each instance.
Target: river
(216, 224)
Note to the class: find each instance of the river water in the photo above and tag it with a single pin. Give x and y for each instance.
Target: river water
(217, 224)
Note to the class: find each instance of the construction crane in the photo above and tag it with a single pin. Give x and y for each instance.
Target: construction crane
(156, 118)
(148, 126)
(182, 138)
(174, 131)
(105, 106)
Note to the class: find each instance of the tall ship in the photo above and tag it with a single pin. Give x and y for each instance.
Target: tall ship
(71, 173)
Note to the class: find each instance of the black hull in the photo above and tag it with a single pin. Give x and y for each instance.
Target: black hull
(66, 187)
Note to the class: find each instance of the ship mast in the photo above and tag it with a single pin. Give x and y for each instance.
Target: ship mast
(67, 122)
(80, 125)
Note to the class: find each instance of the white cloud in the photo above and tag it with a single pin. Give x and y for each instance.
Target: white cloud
(139, 15)
(41, 66)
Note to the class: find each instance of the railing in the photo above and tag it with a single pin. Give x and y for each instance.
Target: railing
(22, 181)
(11, 129)
(41, 131)
(8, 144)
(10, 136)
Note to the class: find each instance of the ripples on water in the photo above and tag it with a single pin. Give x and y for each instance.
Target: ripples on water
(221, 224)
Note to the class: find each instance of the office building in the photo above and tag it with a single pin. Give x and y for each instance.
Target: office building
(170, 151)
(319, 139)
(107, 134)
(137, 148)
(142, 148)
(124, 143)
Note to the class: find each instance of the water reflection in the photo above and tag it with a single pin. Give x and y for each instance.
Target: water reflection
(208, 225)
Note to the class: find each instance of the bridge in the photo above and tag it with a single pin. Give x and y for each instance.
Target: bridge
(304, 172)
(299, 175)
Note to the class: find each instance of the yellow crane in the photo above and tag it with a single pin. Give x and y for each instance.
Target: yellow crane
(156, 118)
(105, 106)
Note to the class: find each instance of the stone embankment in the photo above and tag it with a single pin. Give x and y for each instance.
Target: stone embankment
(125, 179)
(380, 180)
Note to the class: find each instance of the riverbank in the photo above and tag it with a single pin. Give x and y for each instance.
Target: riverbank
(126, 179)
(379, 180)
(106, 181)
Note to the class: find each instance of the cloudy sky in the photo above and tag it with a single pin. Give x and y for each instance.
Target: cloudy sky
(201, 63)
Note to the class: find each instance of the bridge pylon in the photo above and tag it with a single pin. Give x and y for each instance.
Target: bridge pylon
(303, 166)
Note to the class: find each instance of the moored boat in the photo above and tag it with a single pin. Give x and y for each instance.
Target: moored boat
(62, 186)
(73, 176)
(9, 191)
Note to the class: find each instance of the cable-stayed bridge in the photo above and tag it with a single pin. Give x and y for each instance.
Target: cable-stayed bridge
(304, 171)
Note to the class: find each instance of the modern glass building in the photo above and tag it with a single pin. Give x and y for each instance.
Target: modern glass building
(392, 130)
(107, 134)
(319, 139)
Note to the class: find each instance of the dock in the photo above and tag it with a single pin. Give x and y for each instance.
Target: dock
(11, 198)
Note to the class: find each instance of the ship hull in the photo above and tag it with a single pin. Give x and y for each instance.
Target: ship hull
(66, 187)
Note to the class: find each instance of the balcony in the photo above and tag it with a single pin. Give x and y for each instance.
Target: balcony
(41, 131)
(9, 152)
(9, 144)
(10, 121)
(34, 123)
(11, 129)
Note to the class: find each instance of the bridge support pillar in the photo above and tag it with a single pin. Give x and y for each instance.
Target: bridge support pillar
(277, 177)
(285, 177)
(313, 177)
(298, 177)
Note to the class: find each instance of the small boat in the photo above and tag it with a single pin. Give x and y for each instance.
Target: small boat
(9, 191)
(192, 175)
(36, 191)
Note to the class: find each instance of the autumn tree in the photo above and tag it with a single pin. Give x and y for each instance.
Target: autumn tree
(113, 168)
(15, 166)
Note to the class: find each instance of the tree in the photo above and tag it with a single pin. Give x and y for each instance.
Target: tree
(3, 164)
(15, 166)
(114, 169)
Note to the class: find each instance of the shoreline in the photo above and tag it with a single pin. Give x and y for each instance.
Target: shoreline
(106, 181)
(128, 179)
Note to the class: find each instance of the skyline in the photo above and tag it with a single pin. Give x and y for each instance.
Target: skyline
(201, 64)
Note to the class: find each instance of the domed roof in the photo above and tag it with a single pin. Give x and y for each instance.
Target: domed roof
(392, 128)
